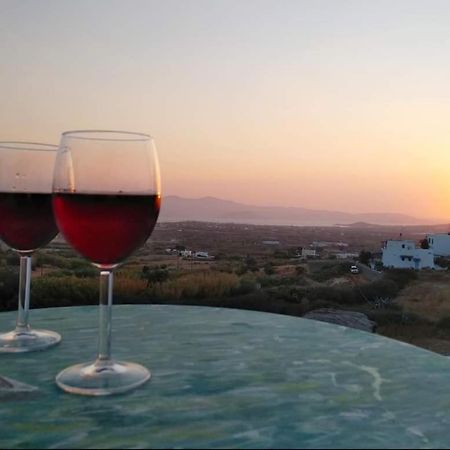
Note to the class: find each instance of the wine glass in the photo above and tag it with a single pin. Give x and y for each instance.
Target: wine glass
(26, 224)
(106, 200)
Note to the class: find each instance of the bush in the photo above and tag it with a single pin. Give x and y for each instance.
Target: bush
(86, 272)
(290, 294)
(12, 259)
(385, 317)
(196, 286)
(155, 275)
(259, 302)
(380, 288)
(395, 317)
(365, 257)
(251, 264)
(331, 270)
(268, 268)
(352, 295)
(52, 291)
(444, 323)
(48, 259)
(443, 262)
(402, 277)
(246, 286)
(340, 295)
(9, 280)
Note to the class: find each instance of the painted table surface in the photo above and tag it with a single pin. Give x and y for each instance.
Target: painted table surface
(229, 378)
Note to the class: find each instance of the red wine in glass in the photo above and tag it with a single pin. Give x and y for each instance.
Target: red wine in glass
(106, 229)
(27, 220)
(26, 224)
(106, 200)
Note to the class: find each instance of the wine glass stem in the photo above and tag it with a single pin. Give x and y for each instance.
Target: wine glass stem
(24, 294)
(104, 340)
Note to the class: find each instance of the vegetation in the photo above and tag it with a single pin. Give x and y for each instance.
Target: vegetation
(247, 274)
(424, 244)
(365, 257)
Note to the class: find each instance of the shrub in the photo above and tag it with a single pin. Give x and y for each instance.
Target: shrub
(385, 317)
(290, 294)
(129, 286)
(330, 270)
(401, 277)
(86, 272)
(444, 323)
(9, 280)
(365, 257)
(442, 262)
(395, 317)
(259, 302)
(64, 291)
(196, 286)
(12, 259)
(58, 261)
(155, 275)
(352, 295)
(251, 264)
(340, 295)
(380, 288)
(246, 286)
(268, 268)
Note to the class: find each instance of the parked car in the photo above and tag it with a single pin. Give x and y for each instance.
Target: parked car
(354, 269)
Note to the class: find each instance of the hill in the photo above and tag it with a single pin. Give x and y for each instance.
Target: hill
(210, 209)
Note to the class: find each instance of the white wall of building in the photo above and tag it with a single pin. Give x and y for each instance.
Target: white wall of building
(308, 252)
(439, 244)
(346, 255)
(403, 254)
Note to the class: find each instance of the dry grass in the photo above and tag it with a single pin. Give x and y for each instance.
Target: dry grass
(129, 286)
(428, 297)
(196, 285)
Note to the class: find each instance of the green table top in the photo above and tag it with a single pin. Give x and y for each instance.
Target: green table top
(229, 378)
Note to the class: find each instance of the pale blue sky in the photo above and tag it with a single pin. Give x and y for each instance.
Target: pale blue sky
(267, 102)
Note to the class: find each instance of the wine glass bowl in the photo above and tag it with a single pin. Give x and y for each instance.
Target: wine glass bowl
(106, 200)
(26, 224)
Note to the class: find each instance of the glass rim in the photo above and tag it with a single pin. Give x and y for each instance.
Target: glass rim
(106, 135)
(24, 145)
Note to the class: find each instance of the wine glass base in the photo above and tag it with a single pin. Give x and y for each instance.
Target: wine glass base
(28, 341)
(102, 378)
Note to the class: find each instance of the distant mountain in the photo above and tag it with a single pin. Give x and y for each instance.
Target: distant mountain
(210, 209)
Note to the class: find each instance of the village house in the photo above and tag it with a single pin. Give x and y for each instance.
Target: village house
(439, 243)
(403, 254)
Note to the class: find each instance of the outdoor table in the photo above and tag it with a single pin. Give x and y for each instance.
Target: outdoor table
(228, 378)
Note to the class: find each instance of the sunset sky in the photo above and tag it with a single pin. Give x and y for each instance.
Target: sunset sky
(325, 104)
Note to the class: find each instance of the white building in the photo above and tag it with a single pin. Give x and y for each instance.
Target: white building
(403, 254)
(308, 253)
(271, 242)
(439, 243)
(346, 255)
(323, 244)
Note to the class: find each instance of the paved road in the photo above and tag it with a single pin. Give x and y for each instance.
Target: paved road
(372, 275)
